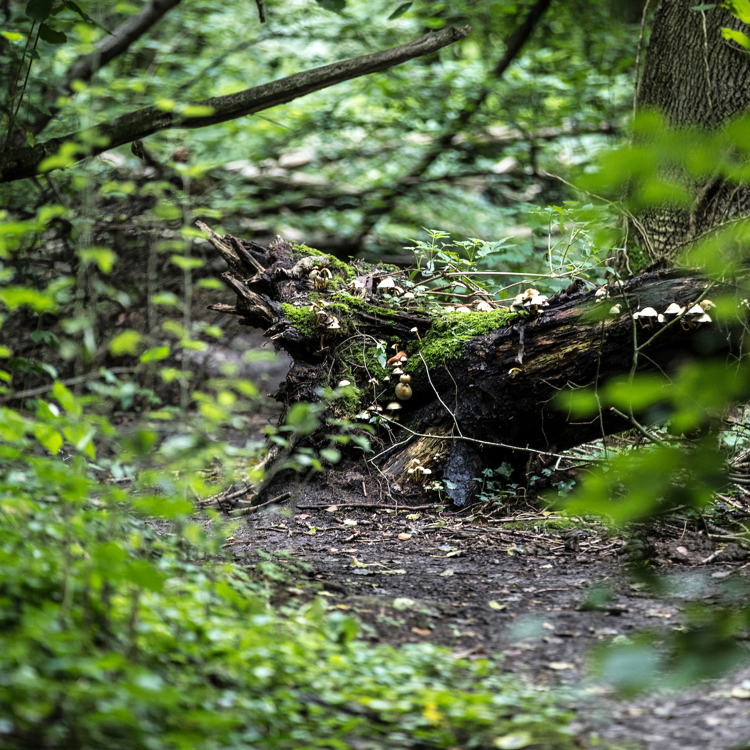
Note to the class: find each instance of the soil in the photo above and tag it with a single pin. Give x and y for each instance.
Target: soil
(518, 587)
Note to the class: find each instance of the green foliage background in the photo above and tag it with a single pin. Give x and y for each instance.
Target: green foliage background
(121, 622)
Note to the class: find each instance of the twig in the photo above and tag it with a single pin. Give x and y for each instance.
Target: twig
(253, 508)
(374, 506)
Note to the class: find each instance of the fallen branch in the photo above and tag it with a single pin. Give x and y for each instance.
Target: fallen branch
(17, 164)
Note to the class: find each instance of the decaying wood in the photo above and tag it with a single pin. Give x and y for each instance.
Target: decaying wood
(496, 402)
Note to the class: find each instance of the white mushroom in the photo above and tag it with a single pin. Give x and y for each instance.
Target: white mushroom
(646, 317)
(673, 309)
(398, 371)
(344, 383)
(483, 306)
(601, 294)
(394, 406)
(387, 283)
(463, 309)
(707, 305)
(333, 324)
(615, 309)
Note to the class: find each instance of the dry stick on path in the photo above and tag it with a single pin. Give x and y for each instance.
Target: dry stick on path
(514, 45)
(17, 164)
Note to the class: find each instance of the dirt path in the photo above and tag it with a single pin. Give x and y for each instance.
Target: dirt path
(533, 594)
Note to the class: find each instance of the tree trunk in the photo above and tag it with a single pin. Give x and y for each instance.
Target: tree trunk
(695, 79)
(483, 383)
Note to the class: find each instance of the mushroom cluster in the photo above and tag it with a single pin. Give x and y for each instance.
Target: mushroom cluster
(416, 465)
(324, 320)
(530, 300)
(690, 317)
(320, 278)
(389, 286)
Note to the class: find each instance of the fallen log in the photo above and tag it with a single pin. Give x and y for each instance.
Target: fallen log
(483, 384)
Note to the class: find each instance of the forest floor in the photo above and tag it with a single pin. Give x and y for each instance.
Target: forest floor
(517, 589)
(517, 585)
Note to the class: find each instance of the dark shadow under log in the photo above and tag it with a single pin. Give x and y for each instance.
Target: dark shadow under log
(494, 401)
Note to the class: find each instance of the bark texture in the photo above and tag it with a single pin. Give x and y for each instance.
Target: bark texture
(492, 400)
(695, 78)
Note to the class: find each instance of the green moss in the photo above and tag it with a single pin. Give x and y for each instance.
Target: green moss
(302, 318)
(449, 333)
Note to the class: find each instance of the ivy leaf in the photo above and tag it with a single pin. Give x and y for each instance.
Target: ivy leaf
(51, 36)
(400, 11)
(39, 10)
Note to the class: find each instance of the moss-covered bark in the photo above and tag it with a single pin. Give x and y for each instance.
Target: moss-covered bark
(483, 383)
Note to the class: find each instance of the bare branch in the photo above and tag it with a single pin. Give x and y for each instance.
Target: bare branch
(25, 162)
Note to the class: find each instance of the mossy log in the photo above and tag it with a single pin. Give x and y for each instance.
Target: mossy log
(484, 384)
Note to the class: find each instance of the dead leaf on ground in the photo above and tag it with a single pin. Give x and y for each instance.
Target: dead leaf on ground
(447, 573)
(404, 537)
(332, 508)
(560, 665)
(420, 631)
(302, 516)
(496, 605)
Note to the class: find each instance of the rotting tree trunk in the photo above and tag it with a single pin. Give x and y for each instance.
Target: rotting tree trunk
(695, 79)
(492, 402)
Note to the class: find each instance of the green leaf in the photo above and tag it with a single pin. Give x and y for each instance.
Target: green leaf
(20, 296)
(186, 263)
(156, 354)
(196, 110)
(145, 575)
(736, 36)
(335, 6)
(302, 419)
(39, 10)
(66, 399)
(163, 507)
(331, 454)
(643, 391)
(579, 403)
(740, 9)
(165, 298)
(102, 256)
(51, 36)
(400, 10)
(126, 342)
(49, 437)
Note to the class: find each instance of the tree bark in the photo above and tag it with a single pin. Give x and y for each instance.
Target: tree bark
(695, 79)
(493, 399)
